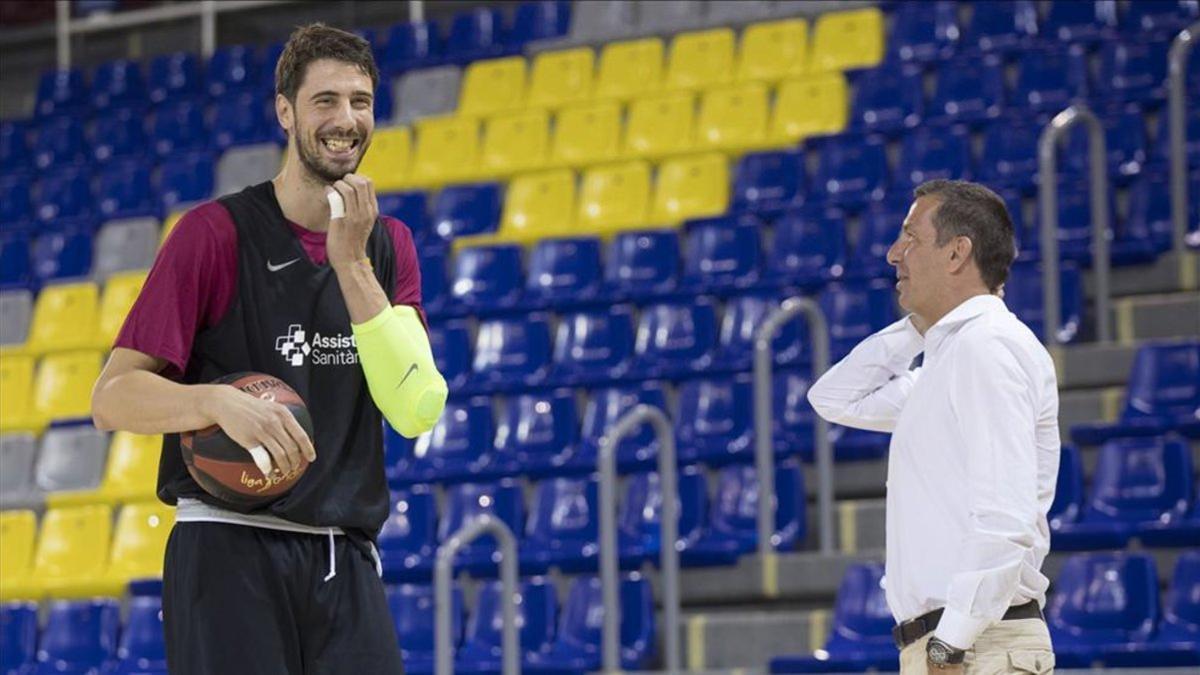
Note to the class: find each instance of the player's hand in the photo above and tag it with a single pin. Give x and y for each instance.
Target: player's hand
(254, 422)
(346, 242)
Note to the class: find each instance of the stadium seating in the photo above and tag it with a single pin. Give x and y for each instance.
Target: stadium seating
(562, 528)
(809, 249)
(607, 405)
(628, 69)
(885, 102)
(586, 133)
(118, 134)
(766, 183)
(16, 550)
(561, 78)
(614, 198)
(732, 527)
(722, 256)
(79, 636)
(466, 501)
(407, 541)
(715, 420)
(487, 277)
(16, 313)
(61, 310)
(386, 164)
(453, 449)
(773, 50)
(693, 186)
(142, 648)
(61, 92)
(660, 125)
(429, 92)
(446, 150)
(514, 142)
(18, 636)
(1085, 619)
(848, 40)
(674, 339)
(537, 610)
(1175, 642)
(412, 608)
(117, 83)
(593, 346)
(743, 316)
(640, 516)
(700, 59)
(512, 353)
(577, 644)
(563, 273)
(536, 434)
(1162, 396)
(172, 77)
(642, 265)
(493, 86)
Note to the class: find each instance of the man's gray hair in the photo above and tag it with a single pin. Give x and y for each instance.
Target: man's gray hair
(973, 211)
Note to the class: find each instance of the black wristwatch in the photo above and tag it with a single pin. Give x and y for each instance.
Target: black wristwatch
(940, 654)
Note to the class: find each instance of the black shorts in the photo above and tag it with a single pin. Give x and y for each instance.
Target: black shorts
(248, 600)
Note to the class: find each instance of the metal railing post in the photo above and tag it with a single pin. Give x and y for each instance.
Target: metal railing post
(62, 33)
(1048, 203)
(444, 577)
(764, 402)
(669, 529)
(416, 10)
(1177, 63)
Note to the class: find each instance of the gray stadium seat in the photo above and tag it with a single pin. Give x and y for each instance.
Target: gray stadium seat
(72, 458)
(16, 311)
(17, 455)
(426, 93)
(670, 16)
(125, 245)
(247, 165)
(812, 8)
(603, 20)
(735, 12)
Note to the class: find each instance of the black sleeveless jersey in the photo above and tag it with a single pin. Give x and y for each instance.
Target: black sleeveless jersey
(288, 319)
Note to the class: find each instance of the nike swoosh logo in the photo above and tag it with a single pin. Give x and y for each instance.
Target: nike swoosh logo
(411, 369)
(275, 268)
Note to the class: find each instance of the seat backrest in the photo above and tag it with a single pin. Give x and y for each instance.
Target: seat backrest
(413, 612)
(59, 142)
(16, 314)
(142, 638)
(848, 40)
(62, 255)
(735, 507)
(64, 194)
(614, 197)
(239, 120)
(969, 90)
(676, 334)
(19, 530)
(232, 68)
(562, 77)
(640, 512)
(1164, 380)
(451, 343)
(587, 133)
(1068, 490)
(598, 341)
(767, 181)
(1105, 598)
(430, 92)
(564, 509)
(878, 230)
(928, 155)
(386, 162)
(74, 542)
(120, 292)
(629, 69)
(484, 275)
(860, 613)
(64, 383)
(447, 149)
(660, 124)
(71, 458)
(924, 32)
(461, 210)
(79, 635)
(515, 141)
(1073, 22)
(185, 178)
(715, 411)
(646, 260)
(721, 252)
(1181, 605)
(466, 501)
(512, 347)
(583, 617)
(16, 393)
(15, 204)
(1001, 24)
(132, 468)
(493, 86)
(537, 424)
(140, 540)
(733, 116)
(852, 172)
(18, 635)
(179, 126)
(1023, 295)
(17, 454)
(409, 44)
(124, 245)
(887, 102)
(855, 311)
(701, 59)
(606, 406)
(61, 91)
(539, 20)
(463, 432)
(539, 205)
(536, 610)
(564, 269)
(773, 50)
(1047, 80)
(247, 165)
(475, 32)
(671, 17)
(175, 75)
(411, 208)
(1142, 480)
(808, 243)
(119, 133)
(744, 315)
(602, 20)
(411, 526)
(694, 186)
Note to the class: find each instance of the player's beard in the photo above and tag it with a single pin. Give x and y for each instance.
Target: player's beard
(309, 150)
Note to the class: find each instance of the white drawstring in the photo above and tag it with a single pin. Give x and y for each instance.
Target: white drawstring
(332, 559)
(378, 562)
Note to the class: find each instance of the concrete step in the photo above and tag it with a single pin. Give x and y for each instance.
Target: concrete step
(1154, 317)
(1167, 274)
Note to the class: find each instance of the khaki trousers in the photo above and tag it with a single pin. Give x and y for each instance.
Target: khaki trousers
(1017, 646)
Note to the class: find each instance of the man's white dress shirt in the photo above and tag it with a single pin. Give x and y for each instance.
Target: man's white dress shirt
(973, 460)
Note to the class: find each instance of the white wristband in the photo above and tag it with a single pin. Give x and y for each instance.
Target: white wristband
(261, 459)
(337, 207)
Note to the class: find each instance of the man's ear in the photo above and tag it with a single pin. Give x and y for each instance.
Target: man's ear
(960, 253)
(284, 112)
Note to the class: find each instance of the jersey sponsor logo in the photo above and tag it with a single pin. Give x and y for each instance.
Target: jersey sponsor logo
(272, 267)
(319, 350)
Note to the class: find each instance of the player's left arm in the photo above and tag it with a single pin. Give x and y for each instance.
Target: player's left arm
(393, 346)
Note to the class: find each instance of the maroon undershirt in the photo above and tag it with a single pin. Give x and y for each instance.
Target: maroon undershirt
(194, 280)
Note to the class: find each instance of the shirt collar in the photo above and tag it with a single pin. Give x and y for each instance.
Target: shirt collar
(965, 311)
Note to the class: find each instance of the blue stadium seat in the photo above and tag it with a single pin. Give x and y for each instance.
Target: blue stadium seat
(435, 288)
(14, 145)
(852, 170)
(468, 500)
(238, 120)
(642, 265)
(675, 339)
(118, 134)
(539, 20)
(78, 635)
(885, 101)
(384, 103)
(861, 637)
(1102, 602)
(1126, 247)
(794, 422)
(1177, 642)
(413, 611)
(809, 249)
(854, 312)
(123, 191)
(537, 434)
(142, 650)
(1163, 395)
(931, 153)
(1001, 25)
(562, 528)
(512, 353)
(64, 198)
(577, 645)
(407, 542)
(18, 637)
(411, 208)
(852, 445)
(1067, 507)
(715, 423)
(564, 273)
(968, 90)
(15, 269)
(488, 278)
(536, 611)
(186, 178)
(1132, 71)
(924, 31)
(593, 347)
(743, 316)
(1150, 209)
(461, 210)
(1158, 19)
(640, 515)
(16, 208)
(456, 448)
(179, 126)
(767, 183)
(61, 92)
(59, 142)
(174, 76)
(475, 34)
(117, 83)
(411, 45)
(1023, 295)
(1081, 21)
(1048, 80)
(722, 255)
(1126, 145)
(233, 68)
(1162, 140)
(732, 529)
(604, 408)
(1010, 157)
(878, 230)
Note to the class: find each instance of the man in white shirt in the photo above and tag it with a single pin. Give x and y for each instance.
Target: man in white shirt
(975, 444)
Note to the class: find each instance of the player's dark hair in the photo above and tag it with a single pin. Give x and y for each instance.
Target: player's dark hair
(971, 210)
(317, 41)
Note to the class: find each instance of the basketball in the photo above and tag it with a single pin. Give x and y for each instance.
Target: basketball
(224, 468)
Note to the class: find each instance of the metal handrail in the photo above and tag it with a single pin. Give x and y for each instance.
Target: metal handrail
(763, 413)
(1177, 64)
(1048, 201)
(444, 574)
(669, 529)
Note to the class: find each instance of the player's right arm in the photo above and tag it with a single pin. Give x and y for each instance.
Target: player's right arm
(868, 388)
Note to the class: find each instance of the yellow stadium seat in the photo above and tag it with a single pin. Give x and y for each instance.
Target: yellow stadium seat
(614, 197)
(773, 50)
(514, 142)
(18, 532)
(733, 118)
(630, 69)
(63, 387)
(493, 86)
(660, 125)
(17, 412)
(536, 206)
(120, 292)
(587, 134)
(169, 226)
(447, 150)
(700, 60)
(64, 318)
(812, 106)
(131, 473)
(72, 551)
(386, 161)
(848, 40)
(694, 186)
(138, 546)
(560, 78)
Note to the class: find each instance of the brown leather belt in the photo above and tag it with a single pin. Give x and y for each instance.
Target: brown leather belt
(914, 629)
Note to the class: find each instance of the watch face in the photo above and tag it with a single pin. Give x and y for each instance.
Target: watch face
(938, 653)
